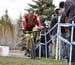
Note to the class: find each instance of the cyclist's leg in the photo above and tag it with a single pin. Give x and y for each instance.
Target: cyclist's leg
(27, 37)
(35, 36)
(33, 54)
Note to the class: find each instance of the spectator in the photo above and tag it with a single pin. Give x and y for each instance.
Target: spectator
(70, 13)
(54, 20)
(60, 12)
(43, 40)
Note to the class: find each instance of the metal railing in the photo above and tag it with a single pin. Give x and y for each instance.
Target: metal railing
(59, 37)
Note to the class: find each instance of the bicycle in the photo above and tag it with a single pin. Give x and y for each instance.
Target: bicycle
(30, 43)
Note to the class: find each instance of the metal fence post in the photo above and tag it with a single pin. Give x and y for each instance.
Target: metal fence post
(71, 44)
(40, 47)
(46, 45)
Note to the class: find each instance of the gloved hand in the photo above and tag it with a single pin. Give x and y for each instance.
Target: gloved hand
(35, 28)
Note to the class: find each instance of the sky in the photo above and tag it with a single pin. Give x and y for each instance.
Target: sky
(15, 7)
(56, 2)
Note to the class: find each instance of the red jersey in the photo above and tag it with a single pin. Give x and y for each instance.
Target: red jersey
(28, 21)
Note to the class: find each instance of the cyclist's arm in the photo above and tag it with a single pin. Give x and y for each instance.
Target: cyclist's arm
(39, 22)
(22, 25)
(23, 22)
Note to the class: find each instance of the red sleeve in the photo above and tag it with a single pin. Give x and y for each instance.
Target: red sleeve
(38, 20)
(22, 24)
(25, 15)
(39, 23)
(23, 21)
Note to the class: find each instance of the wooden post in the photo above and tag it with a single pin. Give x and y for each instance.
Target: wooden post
(57, 42)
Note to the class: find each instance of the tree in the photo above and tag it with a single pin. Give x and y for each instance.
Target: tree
(6, 30)
(21, 39)
(44, 8)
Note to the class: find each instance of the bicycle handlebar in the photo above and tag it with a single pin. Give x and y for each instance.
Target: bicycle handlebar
(31, 31)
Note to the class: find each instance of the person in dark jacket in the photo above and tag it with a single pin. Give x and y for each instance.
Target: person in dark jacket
(70, 9)
(70, 13)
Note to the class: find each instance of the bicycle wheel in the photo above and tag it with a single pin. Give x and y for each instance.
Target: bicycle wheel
(33, 52)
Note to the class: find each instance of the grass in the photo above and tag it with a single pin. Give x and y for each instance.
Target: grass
(24, 61)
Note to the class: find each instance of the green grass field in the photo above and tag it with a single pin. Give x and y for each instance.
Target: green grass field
(24, 61)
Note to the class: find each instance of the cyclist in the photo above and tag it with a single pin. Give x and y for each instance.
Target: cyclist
(29, 21)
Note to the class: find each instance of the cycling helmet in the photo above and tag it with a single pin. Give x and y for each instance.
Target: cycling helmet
(30, 11)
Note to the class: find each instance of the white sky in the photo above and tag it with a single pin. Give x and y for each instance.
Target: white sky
(15, 7)
(56, 2)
